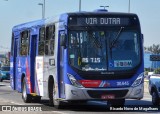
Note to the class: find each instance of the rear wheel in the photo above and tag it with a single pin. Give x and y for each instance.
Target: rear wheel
(37, 99)
(155, 98)
(26, 97)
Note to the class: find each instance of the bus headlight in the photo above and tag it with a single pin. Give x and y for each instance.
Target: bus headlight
(138, 81)
(74, 81)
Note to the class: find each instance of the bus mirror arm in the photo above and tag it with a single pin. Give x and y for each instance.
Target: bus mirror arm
(63, 40)
(142, 36)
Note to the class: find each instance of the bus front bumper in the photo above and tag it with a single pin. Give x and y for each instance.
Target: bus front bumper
(75, 93)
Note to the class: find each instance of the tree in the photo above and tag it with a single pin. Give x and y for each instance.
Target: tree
(145, 48)
(155, 49)
(157, 71)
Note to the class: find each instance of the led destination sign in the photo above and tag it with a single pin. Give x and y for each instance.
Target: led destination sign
(103, 21)
(100, 21)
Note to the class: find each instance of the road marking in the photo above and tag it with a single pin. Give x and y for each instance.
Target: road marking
(16, 103)
(59, 112)
(2, 84)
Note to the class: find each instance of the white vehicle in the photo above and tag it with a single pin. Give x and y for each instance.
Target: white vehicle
(154, 88)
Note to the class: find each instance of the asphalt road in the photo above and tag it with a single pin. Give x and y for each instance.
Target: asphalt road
(13, 98)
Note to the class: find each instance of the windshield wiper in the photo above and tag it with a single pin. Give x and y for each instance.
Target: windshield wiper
(96, 42)
(117, 38)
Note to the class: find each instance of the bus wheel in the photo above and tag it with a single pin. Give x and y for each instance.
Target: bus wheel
(57, 103)
(37, 99)
(51, 92)
(116, 102)
(26, 97)
(155, 98)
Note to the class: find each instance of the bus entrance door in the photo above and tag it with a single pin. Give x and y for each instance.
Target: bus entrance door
(13, 79)
(32, 59)
(61, 71)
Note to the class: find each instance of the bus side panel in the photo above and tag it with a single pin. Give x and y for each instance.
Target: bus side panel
(49, 66)
(19, 62)
(45, 67)
(29, 79)
(39, 74)
(23, 69)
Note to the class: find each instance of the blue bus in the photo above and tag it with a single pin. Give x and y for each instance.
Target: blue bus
(79, 56)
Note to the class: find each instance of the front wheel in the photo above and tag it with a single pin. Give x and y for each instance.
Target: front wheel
(155, 98)
(57, 103)
(26, 97)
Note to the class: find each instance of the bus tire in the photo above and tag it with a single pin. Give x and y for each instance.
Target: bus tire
(155, 98)
(27, 98)
(37, 99)
(51, 83)
(56, 103)
(116, 102)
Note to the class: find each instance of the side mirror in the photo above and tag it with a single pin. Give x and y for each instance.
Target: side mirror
(63, 40)
(142, 38)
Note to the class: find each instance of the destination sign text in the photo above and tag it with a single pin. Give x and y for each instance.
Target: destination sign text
(102, 21)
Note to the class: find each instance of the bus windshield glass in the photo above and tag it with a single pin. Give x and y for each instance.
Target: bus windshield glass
(110, 50)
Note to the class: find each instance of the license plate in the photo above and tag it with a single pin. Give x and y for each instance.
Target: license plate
(108, 97)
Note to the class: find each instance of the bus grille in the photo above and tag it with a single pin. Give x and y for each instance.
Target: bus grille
(98, 93)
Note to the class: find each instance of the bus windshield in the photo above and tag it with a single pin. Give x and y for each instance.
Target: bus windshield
(110, 50)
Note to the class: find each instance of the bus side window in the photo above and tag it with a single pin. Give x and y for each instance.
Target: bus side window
(49, 42)
(52, 46)
(52, 40)
(46, 47)
(24, 46)
(41, 48)
(46, 41)
(41, 41)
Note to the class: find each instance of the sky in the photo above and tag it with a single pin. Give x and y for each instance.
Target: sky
(13, 12)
